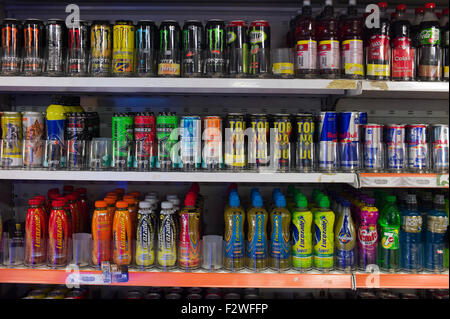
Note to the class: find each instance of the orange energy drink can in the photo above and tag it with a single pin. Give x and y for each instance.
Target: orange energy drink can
(123, 48)
(212, 158)
(101, 233)
(122, 249)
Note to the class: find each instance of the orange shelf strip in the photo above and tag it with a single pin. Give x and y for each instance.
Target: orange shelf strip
(405, 281)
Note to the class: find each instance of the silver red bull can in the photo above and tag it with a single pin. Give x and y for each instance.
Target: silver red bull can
(439, 141)
(373, 147)
(328, 138)
(395, 139)
(349, 140)
(417, 147)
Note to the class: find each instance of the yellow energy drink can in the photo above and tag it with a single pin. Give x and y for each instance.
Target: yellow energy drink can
(11, 148)
(123, 48)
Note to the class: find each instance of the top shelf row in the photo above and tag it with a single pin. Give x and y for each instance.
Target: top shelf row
(373, 89)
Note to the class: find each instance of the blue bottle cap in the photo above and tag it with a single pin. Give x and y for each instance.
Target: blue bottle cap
(234, 200)
(257, 201)
(280, 201)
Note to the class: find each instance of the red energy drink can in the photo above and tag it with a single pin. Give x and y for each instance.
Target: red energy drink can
(145, 137)
(11, 39)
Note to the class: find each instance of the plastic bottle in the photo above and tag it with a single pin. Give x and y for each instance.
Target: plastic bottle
(352, 46)
(429, 51)
(445, 46)
(257, 218)
(368, 235)
(418, 17)
(234, 234)
(379, 48)
(446, 239)
(167, 237)
(110, 207)
(146, 234)
(437, 222)
(122, 235)
(403, 52)
(411, 256)
(74, 212)
(55, 120)
(189, 243)
(83, 207)
(59, 235)
(16, 247)
(133, 208)
(345, 239)
(329, 54)
(389, 224)
(302, 218)
(305, 34)
(323, 236)
(444, 18)
(280, 222)
(35, 235)
(101, 234)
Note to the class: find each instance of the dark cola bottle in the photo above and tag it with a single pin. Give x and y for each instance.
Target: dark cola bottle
(403, 52)
(306, 49)
(329, 47)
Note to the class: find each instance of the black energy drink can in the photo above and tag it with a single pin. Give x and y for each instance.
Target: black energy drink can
(304, 150)
(237, 48)
(146, 42)
(282, 146)
(215, 54)
(235, 148)
(259, 34)
(12, 42)
(169, 49)
(192, 48)
(258, 146)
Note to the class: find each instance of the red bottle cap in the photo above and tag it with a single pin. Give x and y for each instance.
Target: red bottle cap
(54, 196)
(383, 5)
(34, 202)
(58, 203)
(190, 199)
(419, 10)
(67, 188)
(401, 7)
(53, 190)
(445, 12)
(62, 199)
(41, 197)
(72, 196)
(81, 190)
(195, 188)
(430, 5)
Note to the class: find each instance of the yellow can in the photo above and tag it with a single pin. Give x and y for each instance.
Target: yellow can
(11, 147)
(123, 48)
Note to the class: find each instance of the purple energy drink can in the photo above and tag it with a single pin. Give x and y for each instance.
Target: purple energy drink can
(373, 147)
(328, 160)
(439, 140)
(417, 147)
(349, 140)
(395, 136)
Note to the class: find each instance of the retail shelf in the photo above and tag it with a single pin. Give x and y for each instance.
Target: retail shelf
(175, 85)
(205, 177)
(402, 281)
(404, 180)
(406, 90)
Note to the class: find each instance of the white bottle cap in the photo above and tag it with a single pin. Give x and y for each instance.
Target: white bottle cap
(175, 201)
(328, 2)
(171, 196)
(152, 201)
(151, 197)
(306, 3)
(144, 205)
(352, 2)
(166, 205)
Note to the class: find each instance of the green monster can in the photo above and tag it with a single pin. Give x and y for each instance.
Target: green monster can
(166, 123)
(122, 136)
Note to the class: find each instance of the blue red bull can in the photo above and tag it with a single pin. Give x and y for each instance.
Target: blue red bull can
(417, 147)
(440, 150)
(395, 139)
(191, 151)
(373, 147)
(328, 141)
(348, 140)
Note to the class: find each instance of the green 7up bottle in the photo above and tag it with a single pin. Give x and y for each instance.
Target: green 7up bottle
(389, 225)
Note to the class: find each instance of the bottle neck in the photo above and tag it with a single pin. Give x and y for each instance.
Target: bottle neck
(307, 11)
(429, 15)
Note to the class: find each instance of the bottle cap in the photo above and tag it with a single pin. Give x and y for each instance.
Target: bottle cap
(190, 199)
(72, 197)
(149, 197)
(257, 201)
(135, 194)
(41, 197)
(280, 201)
(400, 7)
(345, 203)
(171, 196)
(81, 190)
(155, 194)
(370, 201)
(100, 204)
(234, 200)
(53, 190)
(196, 188)
(383, 5)
(391, 199)
(175, 201)
(144, 205)
(152, 201)
(58, 203)
(119, 191)
(166, 205)
(128, 197)
(419, 10)
(122, 204)
(302, 202)
(430, 5)
(67, 188)
(109, 200)
(34, 202)
(439, 199)
(64, 199)
(411, 199)
(129, 201)
(324, 202)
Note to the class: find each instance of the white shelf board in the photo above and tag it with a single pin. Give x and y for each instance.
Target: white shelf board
(404, 180)
(209, 177)
(175, 85)
(405, 89)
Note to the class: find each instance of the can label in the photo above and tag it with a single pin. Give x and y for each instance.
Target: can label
(234, 242)
(191, 141)
(396, 148)
(403, 57)
(389, 238)
(446, 71)
(352, 57)
(122, 135)
(430, 36)
(283, 149)
(306, 55)
(169, 69)
(412, 224)
(235, 148)
(329, 55)
(123, 50)
(280, 243)
(189, 239)
(379, 56)
(164, 127)
(212, 137)
(283, 68)
(101, 49)
(305, 135)
(258, 146)
(33, 127)
(10, 59)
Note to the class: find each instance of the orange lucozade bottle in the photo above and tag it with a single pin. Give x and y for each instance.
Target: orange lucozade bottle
(110, 207)
(133, 205)
(35, 234)
(122, 248)
(101, 233)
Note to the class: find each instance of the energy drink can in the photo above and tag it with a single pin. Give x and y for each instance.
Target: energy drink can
(282, 150)
(33, 53)
(189, 244)
(215, 54)
(76, 127)
(328, 138)
(212, 157)
(122, 136)
(78, 50)
(33, 135)
(417, 147)
(304, 152)
(123, 48)
(146, 33)
(55, 45)
(395, 139)
(373, 147)
(12, 139)
(259, 35)
(192, 48)
(101, 48)
(439, 141)
(169, 49)
(12, 42)
(362, 118)
(166, 126)
(237, 48)
(235, 148)
(145, 138)
(348, 123)
(258, 146)
(191, 142)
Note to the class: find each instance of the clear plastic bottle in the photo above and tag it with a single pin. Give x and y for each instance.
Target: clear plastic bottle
(410, 237)
(167, 236)
(389, 225)
(345, 240)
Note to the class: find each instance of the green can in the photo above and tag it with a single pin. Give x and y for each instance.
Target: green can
(166, 123)
(122, 138)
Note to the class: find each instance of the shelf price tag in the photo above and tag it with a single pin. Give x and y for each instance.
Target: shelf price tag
(442, 180)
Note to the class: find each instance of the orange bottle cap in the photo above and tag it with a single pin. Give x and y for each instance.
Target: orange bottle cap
(121, 204)
(128, 197)
(119, 191)
(129, 200)
(110, 200)
(100, 204)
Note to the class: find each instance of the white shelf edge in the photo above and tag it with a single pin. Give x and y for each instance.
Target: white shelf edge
(404, 181)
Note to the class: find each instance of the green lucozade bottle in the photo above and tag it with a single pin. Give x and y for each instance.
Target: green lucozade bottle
(323, 236)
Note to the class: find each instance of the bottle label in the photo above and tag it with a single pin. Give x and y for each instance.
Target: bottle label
(403, 55)
(329, 55)
(352, 57)
(446, 71)
(430, 71)
(257, 244)
(412, 224)
(234, 246)
(302, 236)
(168, 69)
(345, 257)
(306, 55)
(368, 235)
(389, 238)
(283, 68)
(437, 224)
(280, 244)
(378, 56)
(430, 36)
(344, 234)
